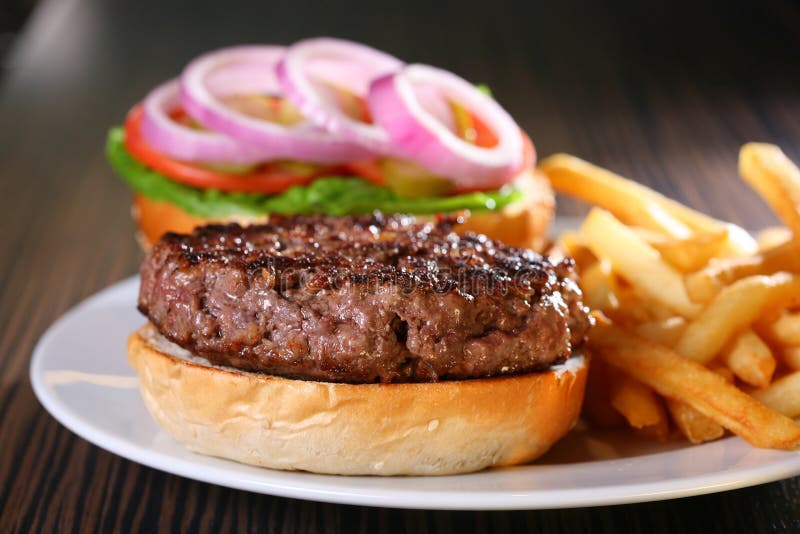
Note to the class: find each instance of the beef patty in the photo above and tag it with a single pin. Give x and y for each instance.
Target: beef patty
(361, 299)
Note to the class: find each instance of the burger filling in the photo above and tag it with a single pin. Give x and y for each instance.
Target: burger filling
(362, 300)
(335, 192)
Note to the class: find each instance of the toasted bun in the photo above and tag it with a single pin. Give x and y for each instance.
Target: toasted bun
(349, 429)
(520, 224)
(523, 223)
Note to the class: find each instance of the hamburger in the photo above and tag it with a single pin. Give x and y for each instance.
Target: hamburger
(359, 345)
(326, 127)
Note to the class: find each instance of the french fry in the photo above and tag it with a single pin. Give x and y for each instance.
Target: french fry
(659, 432)
(772, 237)
(624, 198)
(695, 426)
(691, 253)
(651, 237)
(682, 379)
(783, 395)
(633, 308)
(636, 261)
(692, 305)
(750, 359)
(734, 309)
(599, 287)
(575, 177)
(653, 217)
(773, 176)
(665, 332)
(723, 371)
(739, 243)
(573, 246)
(786, 329)
(704, 284)
(791, 357)
(639, 404)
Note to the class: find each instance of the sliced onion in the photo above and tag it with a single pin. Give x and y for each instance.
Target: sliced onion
(181, 142)
(313, 69)
(433, 101)
(248, 70)
(419, 135)
(217, 74)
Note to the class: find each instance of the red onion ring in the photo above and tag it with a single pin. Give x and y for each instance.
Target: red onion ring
(433, 101)
(220, 72)
(181, 142)
(418, 135)
(312, 63)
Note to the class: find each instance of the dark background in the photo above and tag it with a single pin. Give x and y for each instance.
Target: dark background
(661, 92)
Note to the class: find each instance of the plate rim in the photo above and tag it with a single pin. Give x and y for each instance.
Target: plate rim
(324, 491)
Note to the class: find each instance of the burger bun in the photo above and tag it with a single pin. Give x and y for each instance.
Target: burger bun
(437, 428)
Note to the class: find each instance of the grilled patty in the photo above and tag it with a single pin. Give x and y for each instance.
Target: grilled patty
(361, 300)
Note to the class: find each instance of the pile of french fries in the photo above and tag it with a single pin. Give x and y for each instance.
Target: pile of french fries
(698, 321)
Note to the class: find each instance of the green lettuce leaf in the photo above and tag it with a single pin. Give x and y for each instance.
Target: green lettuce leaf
(329, 195)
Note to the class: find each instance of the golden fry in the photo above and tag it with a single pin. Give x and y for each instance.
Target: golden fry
(734, 309)
(786, 329)
(704, 284)
(599, 287)
(575, 177)
(624, 198)
(722, 371)
(682, 379)
(750, 359)
(638, 403)
(669, 276)
(572, 245)
(634, 308)
(791, 357)
(772, 237)
(665, 332)
(636, 261)
(692, 253)
(783, 395)
(651, 237)
(773, 176)
(695, 426)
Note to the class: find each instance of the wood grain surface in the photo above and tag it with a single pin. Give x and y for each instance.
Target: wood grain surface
(664, 93)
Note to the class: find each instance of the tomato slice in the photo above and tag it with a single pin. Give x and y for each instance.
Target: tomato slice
(471, 128)
(268, 179)
(484, 136)
(368, 169)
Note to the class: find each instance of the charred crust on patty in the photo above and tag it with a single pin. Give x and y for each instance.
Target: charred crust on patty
(362, 299)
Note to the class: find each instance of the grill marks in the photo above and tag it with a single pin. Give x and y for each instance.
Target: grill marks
(359, 249)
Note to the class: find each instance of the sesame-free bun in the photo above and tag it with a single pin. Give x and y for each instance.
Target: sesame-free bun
(523, 223)
(436, 428)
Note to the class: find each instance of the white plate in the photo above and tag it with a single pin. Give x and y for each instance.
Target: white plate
(80, 374)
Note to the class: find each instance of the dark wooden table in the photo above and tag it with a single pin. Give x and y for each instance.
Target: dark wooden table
(663, 93)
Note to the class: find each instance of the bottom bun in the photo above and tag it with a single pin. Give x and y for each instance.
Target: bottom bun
(436, 428)
(520, 224)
